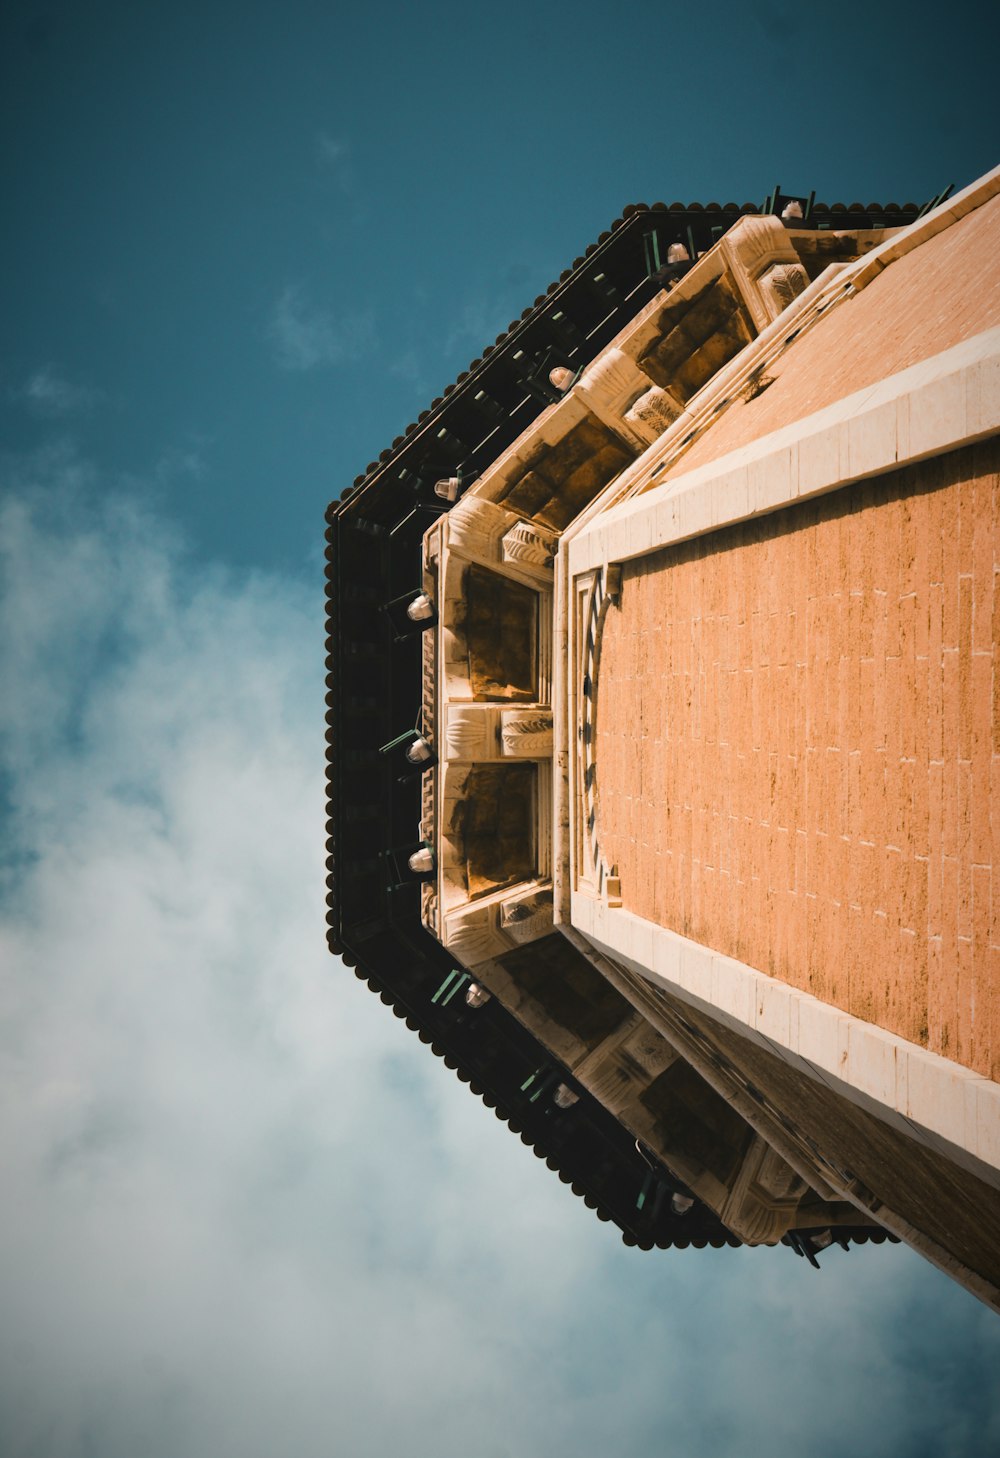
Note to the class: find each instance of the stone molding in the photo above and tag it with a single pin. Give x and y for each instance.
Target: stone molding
(933, 1100)
(775, 1174)
(480, 931)
(610, 386)
(944, 402)
(941, 217)
(830, 1182)
(483, 532)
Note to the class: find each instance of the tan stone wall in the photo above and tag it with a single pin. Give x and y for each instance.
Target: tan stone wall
(798, 753)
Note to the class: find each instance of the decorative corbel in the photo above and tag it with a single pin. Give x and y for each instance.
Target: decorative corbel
(524, 917)
(471, 932)
(526, 733)
(764, 265)
(530, 547)
(609, 387)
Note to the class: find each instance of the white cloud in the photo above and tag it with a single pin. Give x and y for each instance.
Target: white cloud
(245, 1212)
(305, 337)
(48, 393)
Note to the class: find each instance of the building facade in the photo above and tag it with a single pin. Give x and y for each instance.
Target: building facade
(686, 590)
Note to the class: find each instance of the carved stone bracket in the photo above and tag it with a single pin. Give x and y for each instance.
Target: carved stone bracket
(476, 529)
(764, 265)
(524, 918)
(471, 732)
(472, 934)
(477, 933)
(782, 283)
(481, 531)
(764, 1197)
(529, 545)
(627, 1060)
(609, 387)
(650, 415)
(485, 732)
(526, 733)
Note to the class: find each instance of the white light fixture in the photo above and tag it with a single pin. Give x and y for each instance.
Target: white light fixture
(421, 861)
(792, 210)
(419, 752)
(476, 996)
(420, 609)
(680, 1204)
(677, 253)
(561, 378)
(448, 488)
(565, 1098)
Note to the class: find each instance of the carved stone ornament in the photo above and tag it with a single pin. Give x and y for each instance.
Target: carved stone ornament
(471, 933)
(476, 527)
(611, 380)
(471, 732)
(764, 1197)
(429, 907)
(650, 415)
(529, 545)
(526, 733)
(527, 918)
(609, 386)
(782, 283)
(753, 248)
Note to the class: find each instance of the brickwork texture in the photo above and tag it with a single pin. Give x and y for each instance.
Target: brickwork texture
(798, 748)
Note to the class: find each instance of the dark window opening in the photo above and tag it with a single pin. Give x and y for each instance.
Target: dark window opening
(495, 826)
(501, 632)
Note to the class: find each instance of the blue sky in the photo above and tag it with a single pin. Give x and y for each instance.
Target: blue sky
(244, 1211)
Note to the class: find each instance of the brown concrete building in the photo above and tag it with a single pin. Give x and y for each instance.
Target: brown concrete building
(706, 765)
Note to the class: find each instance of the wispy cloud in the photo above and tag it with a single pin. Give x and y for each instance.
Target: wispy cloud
(476, 323)
(245, 1211)
(336, 162)
(476, 320)
(333, 151)
(305, 337)
(337, 172)
(50, 394)
(407, 365)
